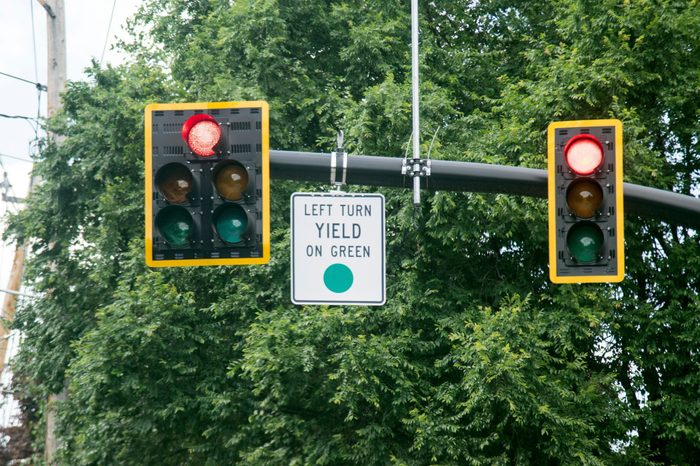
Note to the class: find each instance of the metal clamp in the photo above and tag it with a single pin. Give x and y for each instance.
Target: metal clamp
(413, 168)
(335, 155)
(416, 169)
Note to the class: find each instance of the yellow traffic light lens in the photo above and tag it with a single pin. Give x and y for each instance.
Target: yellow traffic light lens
(202, 134)
(584, 241)
(175, 225)
(231, 222)
(174, 181)
(231, 180)
(584, 197)
(583, 154)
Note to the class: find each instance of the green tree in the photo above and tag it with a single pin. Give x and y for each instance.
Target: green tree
(475, 358)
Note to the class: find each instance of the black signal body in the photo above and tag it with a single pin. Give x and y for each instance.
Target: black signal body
(586, 229)
(191, 217)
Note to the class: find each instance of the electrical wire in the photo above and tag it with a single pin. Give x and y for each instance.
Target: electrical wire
(18, 117)
(39, 86)
(36, 72)
(36, 66)
(109, 27)
(31, 121)
(14, 157)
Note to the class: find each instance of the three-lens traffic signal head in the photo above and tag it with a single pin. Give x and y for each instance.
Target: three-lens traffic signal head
(207, 184)
(586, 239)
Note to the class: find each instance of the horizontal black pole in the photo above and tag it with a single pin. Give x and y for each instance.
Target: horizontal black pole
(447, 175)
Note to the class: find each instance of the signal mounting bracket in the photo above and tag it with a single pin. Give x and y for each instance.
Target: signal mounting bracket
(416, 167)
(339, 152)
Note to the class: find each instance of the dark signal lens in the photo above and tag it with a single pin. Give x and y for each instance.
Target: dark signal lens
(584, 197)
(231, 180)
(174, 181)
(202, 134)
(175, 225)
(583, 154)
(231, 222)
(584, 241)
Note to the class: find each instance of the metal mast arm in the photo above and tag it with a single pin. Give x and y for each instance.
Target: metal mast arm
(448, 175)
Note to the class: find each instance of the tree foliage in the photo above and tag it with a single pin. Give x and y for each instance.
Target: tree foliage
(475, 358)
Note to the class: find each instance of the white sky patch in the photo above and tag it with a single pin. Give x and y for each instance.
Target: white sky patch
(23, 54)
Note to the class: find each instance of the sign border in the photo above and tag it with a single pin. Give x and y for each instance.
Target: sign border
(383, 257)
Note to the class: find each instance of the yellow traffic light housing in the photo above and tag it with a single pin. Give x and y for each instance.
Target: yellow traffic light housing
(207, 175)
(585, 195)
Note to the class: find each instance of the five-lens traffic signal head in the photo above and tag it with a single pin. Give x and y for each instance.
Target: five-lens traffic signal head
(207, 184)
(586, 234)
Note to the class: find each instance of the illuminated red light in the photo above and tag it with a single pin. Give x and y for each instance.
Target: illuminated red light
(583, 154)
(202, 133)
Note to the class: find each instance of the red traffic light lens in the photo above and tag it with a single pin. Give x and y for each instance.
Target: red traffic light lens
(584, 197)
(583, 154)
(202, 134)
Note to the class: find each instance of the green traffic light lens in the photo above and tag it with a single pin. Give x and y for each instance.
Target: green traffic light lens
(175, 225)
(174, 181)
(231, 180)
(584, 197)
(585, 240)
(231, 222)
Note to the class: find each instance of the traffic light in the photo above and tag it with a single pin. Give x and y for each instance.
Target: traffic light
(207, 176)
(586, 233)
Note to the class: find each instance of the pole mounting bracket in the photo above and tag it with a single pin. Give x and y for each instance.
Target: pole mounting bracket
(339, 175)
(415, 167)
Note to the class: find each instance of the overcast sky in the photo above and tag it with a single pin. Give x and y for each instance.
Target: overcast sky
(23, 54)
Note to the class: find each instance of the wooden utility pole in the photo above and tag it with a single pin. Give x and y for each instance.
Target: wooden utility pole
(56, 37)
(8, 305)
(56, 53)
(56, 84)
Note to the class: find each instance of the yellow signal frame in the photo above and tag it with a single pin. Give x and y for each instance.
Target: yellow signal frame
(265, 188)
(619, 202)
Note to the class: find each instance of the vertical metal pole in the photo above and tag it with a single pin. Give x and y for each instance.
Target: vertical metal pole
(415, 103)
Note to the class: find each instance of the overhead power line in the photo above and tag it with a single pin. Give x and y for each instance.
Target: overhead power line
(14, 157)
(18, 117)
(39, 86)
(31, 121)
(109, 27)
(36, 66)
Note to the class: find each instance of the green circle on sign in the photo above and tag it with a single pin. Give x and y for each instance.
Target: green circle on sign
(338, 278)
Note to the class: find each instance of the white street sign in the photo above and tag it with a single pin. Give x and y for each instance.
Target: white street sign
(338, 249)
